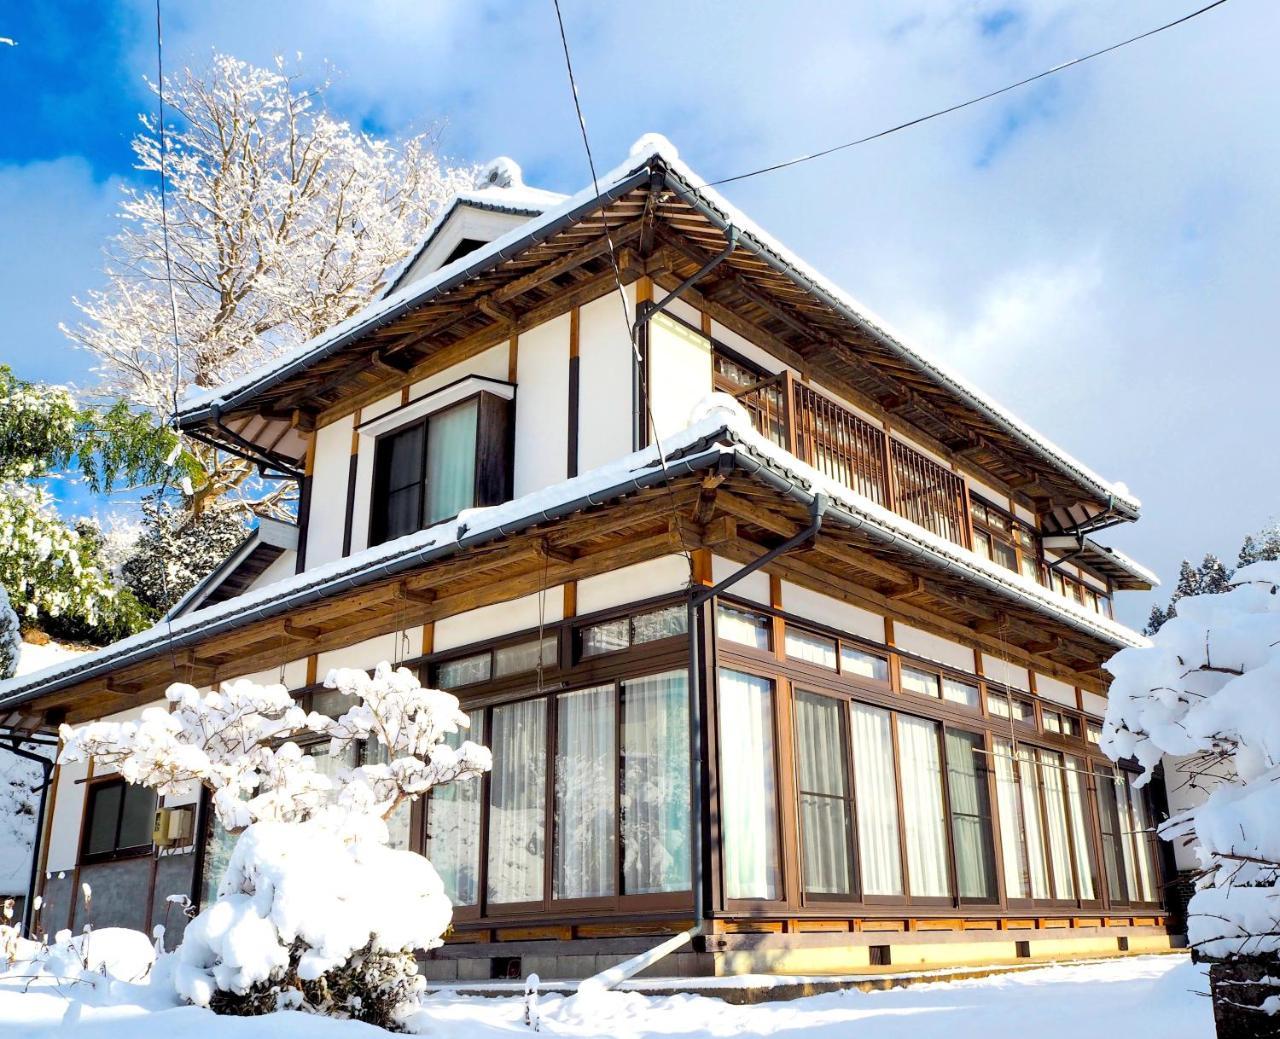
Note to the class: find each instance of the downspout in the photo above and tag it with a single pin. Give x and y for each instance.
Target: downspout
(644, 311)
(697, 598)
(46, 768)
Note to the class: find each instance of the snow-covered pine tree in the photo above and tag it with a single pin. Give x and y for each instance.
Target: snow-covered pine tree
(10, 637)
(283, 221)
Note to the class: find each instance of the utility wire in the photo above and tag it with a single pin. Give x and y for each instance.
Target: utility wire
(964, 104)
(617, 277)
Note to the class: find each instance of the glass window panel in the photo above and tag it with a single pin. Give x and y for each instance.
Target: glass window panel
(970, 816)
(1004, 554)
(137, 819)
(1055, 817)
(1094, 733)
(854, 661)
(1052, 721)
(826, 828)
(1013, 845)
(997, 706)
(453, 826)
(1029, 789)
(607, 637)
(922, 807)
(813, 649)
(748, 802)
(982, 543)
(104, 817)
(585, 794)
(742, 626)
(331, 703)
(525, 656)
(518, 802)
(660, 624)
(655, 784)
(451, 462)
(876, 796)
(1143, 837)
(1077, 809)
(398, 826)
(404, 458)
(1109, 824)
(403, 512)
(217, 855)
(963, 693)
(463, 671)
(924, 683)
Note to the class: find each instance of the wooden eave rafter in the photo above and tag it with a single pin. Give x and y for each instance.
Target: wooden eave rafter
(663, 236)
(742, 520)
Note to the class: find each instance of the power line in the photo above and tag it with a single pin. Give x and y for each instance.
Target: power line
(965, 104)
(617, 278)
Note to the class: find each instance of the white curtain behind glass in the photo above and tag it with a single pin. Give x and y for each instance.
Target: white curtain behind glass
(922, 807)
(1141, 830)
(825, 848)
(748, 793)
(1056, 824)
(1029, 789)
(453, 826)
(1013, 852)
(518, 801)
(585, 794)
(1077, 804)
(970, 816)
(451, 462)
(655, 784)
(876, 797)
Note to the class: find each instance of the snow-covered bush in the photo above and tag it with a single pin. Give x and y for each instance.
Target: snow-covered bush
(316, 910)
(1208, 691)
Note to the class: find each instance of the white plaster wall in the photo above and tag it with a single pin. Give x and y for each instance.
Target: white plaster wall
(284, 566)
(604, 372)
(64, 835)
(1181, 797)
(1093, 703)
(932, 647)
(295, 675)
(754, 586)
(654, 577)
(493, 363)
(1024, 514)
(542, 406)
(746, 348)
(1056, 690)
(328, 517)
(371, 652)
(1002, 671)
(834, 613)
(679, 373)
(504, 618)
(987, 492)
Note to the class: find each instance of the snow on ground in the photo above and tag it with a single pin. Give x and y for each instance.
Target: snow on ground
(1147, 996)
(36, 658)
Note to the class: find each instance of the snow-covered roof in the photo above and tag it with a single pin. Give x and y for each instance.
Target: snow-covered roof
(263, 545)
(722, 433)
(1112, 559)
(652, 153)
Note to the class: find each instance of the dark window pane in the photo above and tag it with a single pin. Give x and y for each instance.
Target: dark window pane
(104, 814)
(137, 818)
(403, 512)
(404, 458)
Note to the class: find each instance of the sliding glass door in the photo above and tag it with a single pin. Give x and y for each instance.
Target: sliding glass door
(923, 809)
(876, 796)
(586, 794)
(970, 797)
(518, 802)
(826, 808)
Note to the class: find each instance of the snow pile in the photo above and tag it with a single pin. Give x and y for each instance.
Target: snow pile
(111, 953)
(303, 892)
(1208, 689)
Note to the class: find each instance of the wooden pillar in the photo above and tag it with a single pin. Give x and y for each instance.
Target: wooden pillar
(575, 325)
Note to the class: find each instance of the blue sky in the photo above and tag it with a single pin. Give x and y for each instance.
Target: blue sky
(1098, 251)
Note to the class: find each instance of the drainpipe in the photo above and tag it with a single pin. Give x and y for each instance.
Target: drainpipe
(646, 310)
(46, 768)
(697, 597)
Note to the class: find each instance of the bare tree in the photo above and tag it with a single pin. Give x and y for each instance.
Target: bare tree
(283, 221)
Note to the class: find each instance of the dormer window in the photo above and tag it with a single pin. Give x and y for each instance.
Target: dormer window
(437, 456)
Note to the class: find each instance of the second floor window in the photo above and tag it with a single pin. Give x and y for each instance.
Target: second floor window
(1004, 539)
(452, 459)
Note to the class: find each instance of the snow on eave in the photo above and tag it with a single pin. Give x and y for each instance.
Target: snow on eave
(1124, 562)
(837, 297)
(722, 431)
(413, 295)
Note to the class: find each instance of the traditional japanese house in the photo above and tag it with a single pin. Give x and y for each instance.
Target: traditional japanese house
(816, 669)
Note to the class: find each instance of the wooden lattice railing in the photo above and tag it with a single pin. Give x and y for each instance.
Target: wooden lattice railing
(849, 449)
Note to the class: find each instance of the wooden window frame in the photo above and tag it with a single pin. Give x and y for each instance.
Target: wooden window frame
(117, 854)
(492, 474)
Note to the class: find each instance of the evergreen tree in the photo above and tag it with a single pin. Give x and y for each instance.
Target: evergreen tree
(10, 637)
(1212, 576)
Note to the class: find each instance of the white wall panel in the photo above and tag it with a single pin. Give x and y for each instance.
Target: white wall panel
(834, 613)
(1056, 690)
(1002, 671)
(542, 406)
(679, 373)
(754, 586)
(504, 618)
(604, 371)
(631, 583)
(932, 647)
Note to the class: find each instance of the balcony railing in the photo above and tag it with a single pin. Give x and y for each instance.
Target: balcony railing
(850, 450)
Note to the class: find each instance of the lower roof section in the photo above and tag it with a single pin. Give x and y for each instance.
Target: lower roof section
(719, 486)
